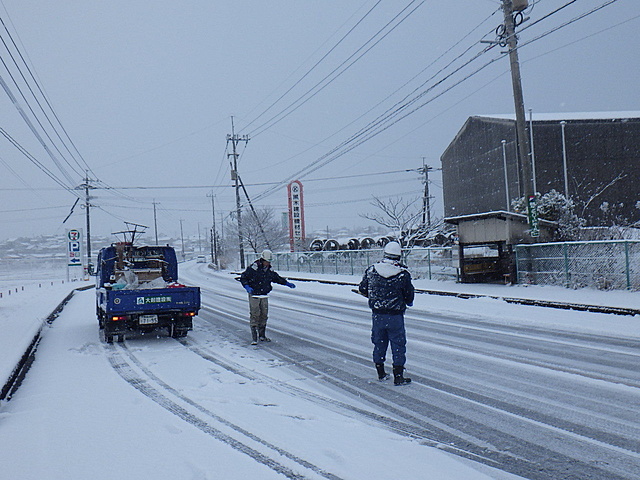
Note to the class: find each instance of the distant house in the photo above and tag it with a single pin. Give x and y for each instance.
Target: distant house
(601, 152)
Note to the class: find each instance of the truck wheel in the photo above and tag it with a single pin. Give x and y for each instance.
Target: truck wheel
(120, 338)
(108, 338)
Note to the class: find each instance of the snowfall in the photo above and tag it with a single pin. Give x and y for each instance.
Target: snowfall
(74, 417)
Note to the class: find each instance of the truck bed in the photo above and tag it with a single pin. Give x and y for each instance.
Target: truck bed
(156, 300)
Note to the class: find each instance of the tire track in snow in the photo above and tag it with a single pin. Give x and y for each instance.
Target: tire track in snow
(124, 368)
(466, 437)
(397, 426)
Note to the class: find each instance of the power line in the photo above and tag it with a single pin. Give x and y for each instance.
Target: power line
(36, 162)
(404, 85)
(316, 64)
(27, 120)
(385, 121)
(37, 84)
(318, 88)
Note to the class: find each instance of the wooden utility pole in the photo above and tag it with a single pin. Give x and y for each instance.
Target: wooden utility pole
(235, 139)
(214, 241)
(522, 139)
(87, 207)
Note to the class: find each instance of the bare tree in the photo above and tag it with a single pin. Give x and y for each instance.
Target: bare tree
(261, 230)
(403, 218)
(599, 189)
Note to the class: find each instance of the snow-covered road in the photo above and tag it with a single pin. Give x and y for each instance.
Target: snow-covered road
(539, 402)
(520, 391)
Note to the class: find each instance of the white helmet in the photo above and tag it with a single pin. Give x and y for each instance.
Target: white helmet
(393, 251)
(266, 255)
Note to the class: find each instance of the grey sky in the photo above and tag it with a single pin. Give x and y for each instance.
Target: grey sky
(146, 91)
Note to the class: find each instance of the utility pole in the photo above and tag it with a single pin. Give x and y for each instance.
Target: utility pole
(87, 206)
(214, 241)
(155, 220)
(182, 239)
(235, 139)
(524, 152)
(426, 199)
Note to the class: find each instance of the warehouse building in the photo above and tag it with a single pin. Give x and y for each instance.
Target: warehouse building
(592, 157)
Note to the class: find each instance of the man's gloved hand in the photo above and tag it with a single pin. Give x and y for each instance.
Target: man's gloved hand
(410, 304)
(248, 289)
(290, 285)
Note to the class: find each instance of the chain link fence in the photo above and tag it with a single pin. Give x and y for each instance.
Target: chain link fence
(430, 263)
(606, 265)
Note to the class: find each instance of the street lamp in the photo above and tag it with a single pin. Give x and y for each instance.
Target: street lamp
(504, 160)
(564, 160)
(533, 154)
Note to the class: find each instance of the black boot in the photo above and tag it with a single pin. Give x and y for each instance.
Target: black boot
(398, 378)
(263, 335)
(254, 335)
(382, 375)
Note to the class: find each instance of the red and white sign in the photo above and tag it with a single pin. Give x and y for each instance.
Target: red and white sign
(296, 216)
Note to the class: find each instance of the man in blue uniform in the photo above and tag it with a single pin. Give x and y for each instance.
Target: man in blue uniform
(388, 286)
(256, 280)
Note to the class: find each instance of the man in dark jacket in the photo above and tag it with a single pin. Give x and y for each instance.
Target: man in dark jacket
(256, 280)
(388, 286)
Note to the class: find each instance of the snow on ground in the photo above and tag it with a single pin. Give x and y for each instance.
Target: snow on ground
(66, 424)
(24, 307)
(553, 318)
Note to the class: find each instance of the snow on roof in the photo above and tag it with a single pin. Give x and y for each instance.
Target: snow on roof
(501, 214)
(549, 117)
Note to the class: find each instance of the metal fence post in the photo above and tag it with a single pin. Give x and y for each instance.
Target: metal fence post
(627, 266)
(566, 265)
(429, 261)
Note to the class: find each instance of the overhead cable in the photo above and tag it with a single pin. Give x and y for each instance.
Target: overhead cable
(329, 78)
(316, 64)
(83, 165)
(385, 121)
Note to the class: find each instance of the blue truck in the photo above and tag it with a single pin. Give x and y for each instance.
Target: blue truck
(137, 290)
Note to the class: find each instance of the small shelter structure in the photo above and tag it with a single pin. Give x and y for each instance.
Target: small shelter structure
(485, 242)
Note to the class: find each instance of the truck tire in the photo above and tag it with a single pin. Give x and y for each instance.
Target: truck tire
(177, 332)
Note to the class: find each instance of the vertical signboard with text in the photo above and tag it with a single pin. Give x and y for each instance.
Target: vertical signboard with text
(296, 216)
(75, 263)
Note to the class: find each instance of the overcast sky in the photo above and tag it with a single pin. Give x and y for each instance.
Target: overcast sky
(146, 91)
